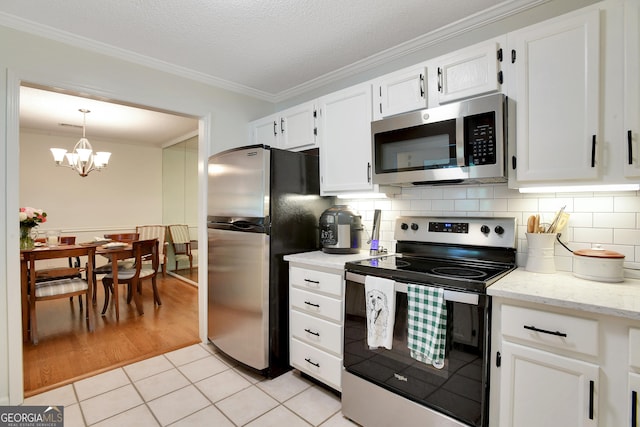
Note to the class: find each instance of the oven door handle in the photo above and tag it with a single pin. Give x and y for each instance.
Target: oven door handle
(454, 296)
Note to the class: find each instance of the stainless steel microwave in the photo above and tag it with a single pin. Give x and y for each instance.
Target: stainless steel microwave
(463, 142)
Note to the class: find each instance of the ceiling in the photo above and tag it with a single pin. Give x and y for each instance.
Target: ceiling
(271, 49)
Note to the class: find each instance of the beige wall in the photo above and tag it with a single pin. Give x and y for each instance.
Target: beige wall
(24, 57)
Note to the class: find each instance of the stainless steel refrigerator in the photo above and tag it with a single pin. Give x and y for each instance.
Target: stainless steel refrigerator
(263, 204)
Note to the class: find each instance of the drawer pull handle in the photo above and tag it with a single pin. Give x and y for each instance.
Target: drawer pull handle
(317, 365)
(634, 408)
(544, 331)
(312, 282)
(312, 304)
(591, 387)
(309, 331)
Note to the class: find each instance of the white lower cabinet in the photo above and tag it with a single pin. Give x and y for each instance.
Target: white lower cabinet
(316, 322)
(555, 367)
(543, 389)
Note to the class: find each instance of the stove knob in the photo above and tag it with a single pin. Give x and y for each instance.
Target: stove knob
(485, 229)
(499, 229)
(414, 226)
(404, 226)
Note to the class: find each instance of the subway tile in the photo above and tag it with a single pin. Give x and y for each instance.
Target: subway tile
(530, 205)
(422, 205)
(467, 205)
(503, 192)
(431, 193)
(593, 235)
(580, 219)
(614, 220)
(593, 204)
(400, 204)
(454, 192)
(626, 237)
(555, 204)
(493, 205)
(442, 205)
(480, 192)
(626, 204)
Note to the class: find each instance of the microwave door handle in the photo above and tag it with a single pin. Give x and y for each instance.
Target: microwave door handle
(460, 160)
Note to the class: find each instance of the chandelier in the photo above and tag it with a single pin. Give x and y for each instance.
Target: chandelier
(81, 159)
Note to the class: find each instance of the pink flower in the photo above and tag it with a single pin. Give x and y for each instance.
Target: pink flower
(31, 217)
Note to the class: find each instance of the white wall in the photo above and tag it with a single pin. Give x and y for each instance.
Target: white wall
(34, 59)
(610, 219)
(125, 194)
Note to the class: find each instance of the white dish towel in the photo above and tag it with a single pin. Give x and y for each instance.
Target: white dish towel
(380, 297)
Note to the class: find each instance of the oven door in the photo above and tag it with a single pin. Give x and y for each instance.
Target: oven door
(460, 388)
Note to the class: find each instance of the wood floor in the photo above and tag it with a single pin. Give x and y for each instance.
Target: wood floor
(67, 352)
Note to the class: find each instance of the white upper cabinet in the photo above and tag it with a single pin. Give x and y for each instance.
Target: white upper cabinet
(555, 81)
(264, 131)
(468, 72)
(631, 127)
(399, 92)
(344, 133)
(290, 129)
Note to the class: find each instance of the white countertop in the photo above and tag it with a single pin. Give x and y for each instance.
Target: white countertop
(563, 289)
(321, 259)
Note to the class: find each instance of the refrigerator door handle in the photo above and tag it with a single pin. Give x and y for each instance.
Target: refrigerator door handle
(246, 226)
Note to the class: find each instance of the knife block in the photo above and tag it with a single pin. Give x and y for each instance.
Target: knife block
(540, 255)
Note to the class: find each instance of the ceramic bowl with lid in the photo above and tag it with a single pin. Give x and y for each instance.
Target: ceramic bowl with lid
(598, 264)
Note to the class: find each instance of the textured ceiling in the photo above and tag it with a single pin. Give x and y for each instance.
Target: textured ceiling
(268, 46)
(271, 49)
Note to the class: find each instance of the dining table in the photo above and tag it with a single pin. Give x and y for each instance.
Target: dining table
(114, 253)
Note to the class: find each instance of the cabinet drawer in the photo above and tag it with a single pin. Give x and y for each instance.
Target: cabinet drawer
(315, 331)
(319, 281)
(551, 329)
(318, 305)
(318, 364)
(634, 347)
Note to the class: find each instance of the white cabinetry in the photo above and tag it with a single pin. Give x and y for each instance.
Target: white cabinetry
(290, 129)
(344, 133)
(399, 92)
(538, 386)
(555, 80)
(316, 322)
(468, 72)
(633, 413)
(631, 127)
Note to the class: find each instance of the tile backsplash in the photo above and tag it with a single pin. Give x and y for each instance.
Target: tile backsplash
(610, 219)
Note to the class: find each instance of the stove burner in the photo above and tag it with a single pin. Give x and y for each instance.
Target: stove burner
(459, 272)
(402, 264)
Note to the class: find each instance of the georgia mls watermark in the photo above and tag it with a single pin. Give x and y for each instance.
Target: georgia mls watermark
(31, 416)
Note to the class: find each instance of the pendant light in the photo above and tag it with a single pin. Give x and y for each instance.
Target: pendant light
(82, 159)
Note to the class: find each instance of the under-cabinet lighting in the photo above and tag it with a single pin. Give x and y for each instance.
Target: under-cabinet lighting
(371, 195)
(581, 188)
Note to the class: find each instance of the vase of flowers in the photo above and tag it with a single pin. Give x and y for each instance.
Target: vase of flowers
(30, 218)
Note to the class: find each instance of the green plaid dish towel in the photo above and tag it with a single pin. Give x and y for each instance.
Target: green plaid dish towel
(427, 324)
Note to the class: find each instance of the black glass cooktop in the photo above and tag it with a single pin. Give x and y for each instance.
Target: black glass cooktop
(453, 273)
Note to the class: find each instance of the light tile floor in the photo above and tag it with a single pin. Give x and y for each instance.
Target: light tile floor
(194, 386)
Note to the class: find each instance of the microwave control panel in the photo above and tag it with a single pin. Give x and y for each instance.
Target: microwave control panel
(480, 139)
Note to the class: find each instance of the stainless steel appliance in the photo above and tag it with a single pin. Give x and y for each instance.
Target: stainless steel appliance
(340, 230)
(460, 142)
(263, 204)
(463, 256)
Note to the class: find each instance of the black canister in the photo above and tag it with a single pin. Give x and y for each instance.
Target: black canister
(340, 230)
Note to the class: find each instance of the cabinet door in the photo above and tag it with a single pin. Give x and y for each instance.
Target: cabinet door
(469, 72)
(345, 140)
(634, 399)
(298, 127)
(400, 92)
(556, 88)
(265, 131)
(539, 388)
(631, 135)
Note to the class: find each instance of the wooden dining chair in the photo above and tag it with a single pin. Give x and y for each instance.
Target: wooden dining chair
(60, 283)
(106, 268)
(43, 275)
(158, 232)
(181, 242)
(133, 277)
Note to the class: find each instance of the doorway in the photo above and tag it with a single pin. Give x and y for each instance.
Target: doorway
(78, 205)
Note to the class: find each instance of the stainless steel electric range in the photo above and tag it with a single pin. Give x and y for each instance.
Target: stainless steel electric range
(462, 256)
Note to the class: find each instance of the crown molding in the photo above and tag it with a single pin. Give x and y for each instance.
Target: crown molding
(452, 30)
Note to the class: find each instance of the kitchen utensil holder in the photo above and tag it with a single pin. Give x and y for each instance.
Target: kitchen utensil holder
(540, 255)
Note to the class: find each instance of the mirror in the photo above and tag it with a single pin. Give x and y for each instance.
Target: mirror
(180, 198)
